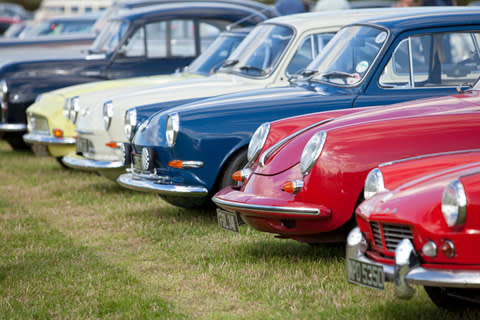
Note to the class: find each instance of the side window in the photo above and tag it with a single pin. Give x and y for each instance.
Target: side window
(135, 45)
(208, 33)
(440, 59)
(182, 38)
(157, 39)
(307, 51)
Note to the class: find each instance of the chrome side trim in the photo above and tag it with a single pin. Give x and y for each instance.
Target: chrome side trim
(129, 181)
(192, 164)
(90, 165)
(285, 210)
(80, 131)
(264, 157)
(424, 156)
(13, 127)
(33, 138)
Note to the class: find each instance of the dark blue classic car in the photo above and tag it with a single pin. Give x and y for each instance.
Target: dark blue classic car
(187, 153)
(146, 41)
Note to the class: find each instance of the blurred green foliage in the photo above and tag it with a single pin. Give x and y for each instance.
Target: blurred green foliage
(30, 5)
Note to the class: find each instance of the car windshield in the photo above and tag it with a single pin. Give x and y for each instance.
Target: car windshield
(348, 56)
(215, 55)
(109, 39)
(260, 52)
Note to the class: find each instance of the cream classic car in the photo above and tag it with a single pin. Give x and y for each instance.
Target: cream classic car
(272, 53)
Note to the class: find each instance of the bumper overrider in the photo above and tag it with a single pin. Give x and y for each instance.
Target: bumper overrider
(156, 184)
(35, 138)
(405, 271)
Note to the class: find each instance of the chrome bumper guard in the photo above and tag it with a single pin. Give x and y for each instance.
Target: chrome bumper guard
(245, 206)
(129, 181)
(13, 127)
(407, 270)
(34, 138)
(90, 165)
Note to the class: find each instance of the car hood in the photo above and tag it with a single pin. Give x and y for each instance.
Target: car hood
(242, 112)
(289, 154)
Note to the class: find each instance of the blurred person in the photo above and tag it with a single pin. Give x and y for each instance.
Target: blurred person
(324, 5)
(285, 7)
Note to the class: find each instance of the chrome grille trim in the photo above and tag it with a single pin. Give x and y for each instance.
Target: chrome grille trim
(393, 234)
(377, 237)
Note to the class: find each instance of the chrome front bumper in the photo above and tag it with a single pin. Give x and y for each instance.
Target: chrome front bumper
(129, 181)
(91, 165)
(235, 206)
(407, 271)
(35, 138)
(13, 127)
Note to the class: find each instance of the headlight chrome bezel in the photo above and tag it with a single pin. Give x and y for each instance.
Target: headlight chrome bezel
(107, 113)
(258, 140)
(171, 129)
(74, 109)
(374, 183)
(454, 204)
(311, 152)
(3, 88)
(130, 122)
(66, 108)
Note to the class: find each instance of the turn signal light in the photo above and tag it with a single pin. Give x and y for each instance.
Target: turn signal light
(112, 144)
(448, 248)
(57, 133)
(241, 175)
(293, 186)
(176, 164)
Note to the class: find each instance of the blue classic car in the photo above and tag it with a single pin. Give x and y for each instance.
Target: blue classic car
(146, 41)
(187, 153)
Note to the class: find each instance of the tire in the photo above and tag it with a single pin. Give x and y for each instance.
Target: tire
(454, 299)
(15, 140)
(237, 162)
(60, 162)
(187, 202)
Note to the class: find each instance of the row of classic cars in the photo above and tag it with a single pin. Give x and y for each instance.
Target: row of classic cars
(267, 159)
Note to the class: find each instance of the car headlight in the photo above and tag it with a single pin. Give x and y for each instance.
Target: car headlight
(454, 204)
(130, 123)
(107, 114)
(3, 87)
(171, 131)
(312, 151)
(258, 141)
(74, 109)
(66, 108)
(374, 183)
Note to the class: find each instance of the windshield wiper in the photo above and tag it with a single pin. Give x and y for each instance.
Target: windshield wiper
(252, 68)
(306, 75)
(339, 74)
(229, 63)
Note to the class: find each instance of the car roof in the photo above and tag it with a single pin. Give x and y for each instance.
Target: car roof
(305, 21)
(427, 17)
(185, 6)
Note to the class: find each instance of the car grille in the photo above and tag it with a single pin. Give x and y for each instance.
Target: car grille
(387, 236)
(38, 124)
(137, 163)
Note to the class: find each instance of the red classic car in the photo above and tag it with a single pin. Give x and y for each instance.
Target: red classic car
(304, 183)
(420, 226)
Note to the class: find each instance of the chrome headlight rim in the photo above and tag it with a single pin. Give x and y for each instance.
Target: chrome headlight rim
(3, 87)
(311, 152)
(107, 113)
(130, 122)
(454, 204)
(172, 128)
(258, 140)
(374, 183)
(74, 109)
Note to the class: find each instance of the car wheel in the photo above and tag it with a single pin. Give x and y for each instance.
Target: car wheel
(60, 162)
(15, 141)
(237, 162)
(454, 299)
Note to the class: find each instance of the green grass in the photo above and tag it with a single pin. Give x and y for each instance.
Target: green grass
(77, 246)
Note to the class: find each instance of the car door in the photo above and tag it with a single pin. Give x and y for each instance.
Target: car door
(425, 65)
(162, 47)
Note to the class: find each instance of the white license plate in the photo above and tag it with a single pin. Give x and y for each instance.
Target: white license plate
(227, 220)
(81, 145)
(365, 274)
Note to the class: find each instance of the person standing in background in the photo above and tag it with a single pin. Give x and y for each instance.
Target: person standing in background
(285, 7)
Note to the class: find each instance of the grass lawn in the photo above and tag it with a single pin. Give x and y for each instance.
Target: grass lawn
(78, 246)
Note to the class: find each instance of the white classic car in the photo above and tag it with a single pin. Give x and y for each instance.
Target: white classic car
(272, 53)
